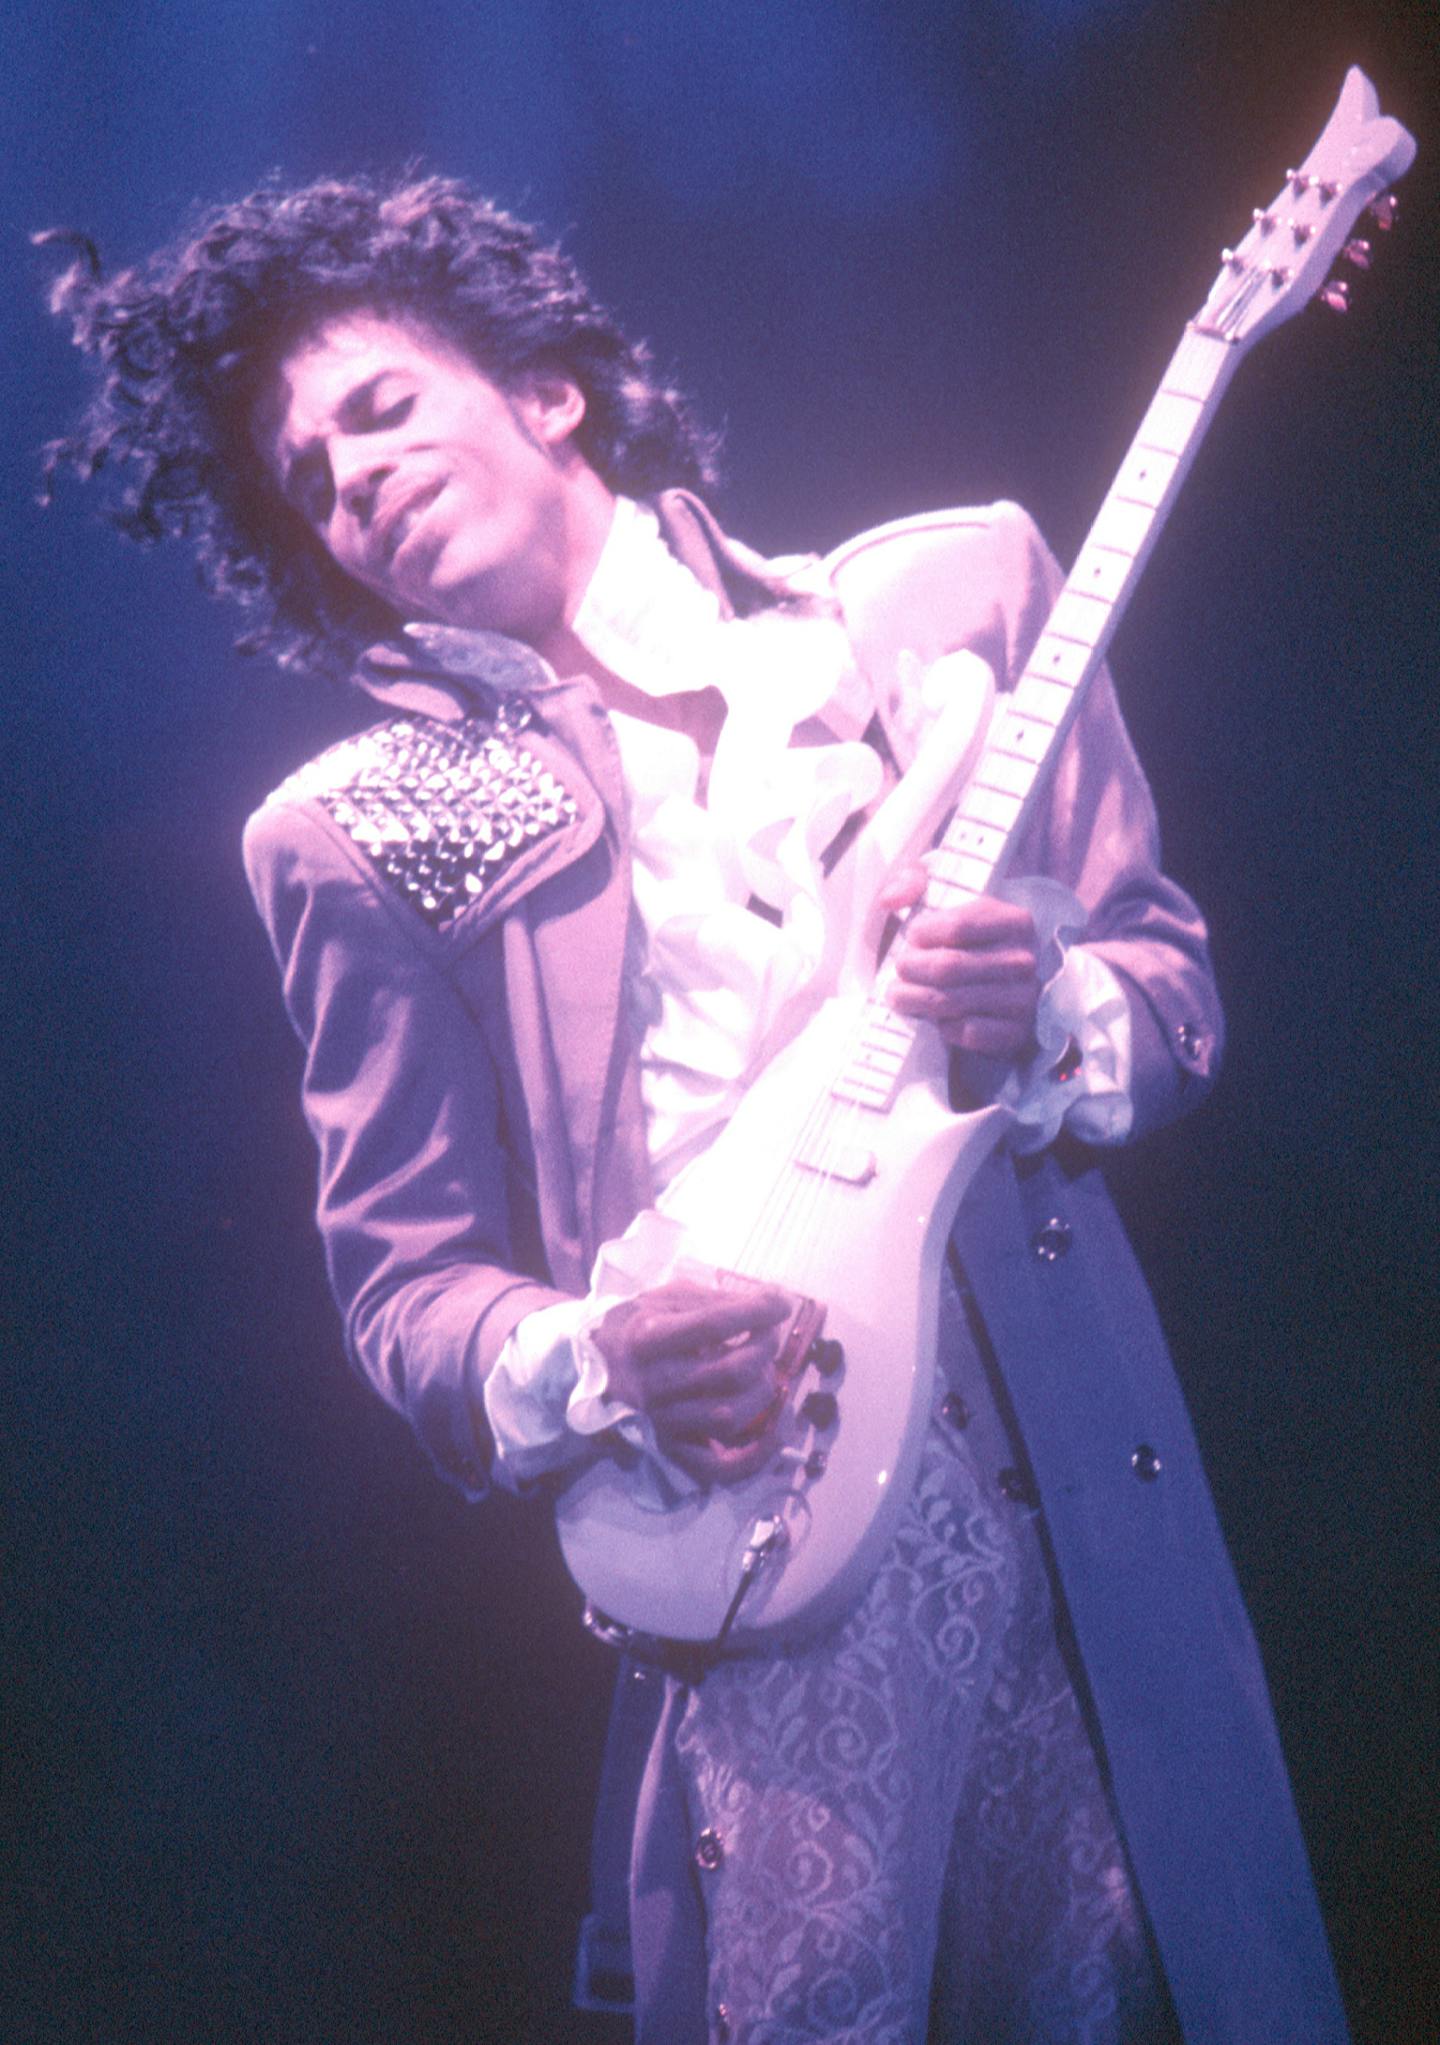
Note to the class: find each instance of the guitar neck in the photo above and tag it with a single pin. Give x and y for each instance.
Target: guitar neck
(1032, 720)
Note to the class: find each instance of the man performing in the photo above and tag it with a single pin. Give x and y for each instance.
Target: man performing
(539, 929)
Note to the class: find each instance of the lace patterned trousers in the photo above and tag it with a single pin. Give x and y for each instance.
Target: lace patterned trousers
(902, 1829)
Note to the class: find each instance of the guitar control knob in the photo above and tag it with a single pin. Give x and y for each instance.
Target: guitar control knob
(820, 1409)
(827, 1356)
(1336, 296)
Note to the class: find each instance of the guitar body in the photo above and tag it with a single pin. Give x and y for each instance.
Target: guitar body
(871, 1254)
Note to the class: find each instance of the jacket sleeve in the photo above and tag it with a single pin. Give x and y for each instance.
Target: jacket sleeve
(417, 1184)
(985, 580)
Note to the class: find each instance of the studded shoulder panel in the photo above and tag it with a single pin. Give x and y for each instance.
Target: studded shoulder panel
(440, 810)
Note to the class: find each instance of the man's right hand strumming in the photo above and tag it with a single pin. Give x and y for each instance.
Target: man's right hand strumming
(702, 1362)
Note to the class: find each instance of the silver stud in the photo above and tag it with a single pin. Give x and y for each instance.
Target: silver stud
(1051, 1241)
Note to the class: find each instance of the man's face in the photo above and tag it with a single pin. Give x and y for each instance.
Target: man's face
(446, 496)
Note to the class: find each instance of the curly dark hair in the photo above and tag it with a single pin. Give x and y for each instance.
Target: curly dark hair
(186, 342)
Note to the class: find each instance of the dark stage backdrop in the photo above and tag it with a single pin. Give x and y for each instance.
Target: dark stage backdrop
(299, 1747)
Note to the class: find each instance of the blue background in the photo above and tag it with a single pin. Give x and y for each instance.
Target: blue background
(300, 1748)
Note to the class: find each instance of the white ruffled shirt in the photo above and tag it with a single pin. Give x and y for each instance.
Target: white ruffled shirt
(709, 979)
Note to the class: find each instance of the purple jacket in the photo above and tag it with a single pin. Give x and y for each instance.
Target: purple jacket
(473, 1089)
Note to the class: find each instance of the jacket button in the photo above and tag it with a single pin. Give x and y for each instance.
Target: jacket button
(954, 1409)
(723, 2030)
(1146, 1464)
(709, 1850)
(1016, 1486)
(1190, 1041)
(1052, 1241)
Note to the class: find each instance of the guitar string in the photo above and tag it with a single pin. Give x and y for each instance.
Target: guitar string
(787, 1215)
(781, 1222)
(834, 1127)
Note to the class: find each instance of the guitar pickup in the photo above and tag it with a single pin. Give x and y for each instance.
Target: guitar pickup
(850, 1163)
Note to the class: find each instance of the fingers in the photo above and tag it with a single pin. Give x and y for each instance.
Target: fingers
(713, 1462)
(1010, 1041)
(686, 1319)
(985, 920)
(724, 1396)
(1001, 973)
(711, 1374)
(981, 927)
(701, 1361)
(973, 973)
(904, 887)
(986, 948)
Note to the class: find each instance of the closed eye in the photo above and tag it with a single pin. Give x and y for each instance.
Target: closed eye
(309, 484)
(392, 415)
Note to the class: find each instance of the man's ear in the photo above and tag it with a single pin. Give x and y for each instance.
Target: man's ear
(550, 404)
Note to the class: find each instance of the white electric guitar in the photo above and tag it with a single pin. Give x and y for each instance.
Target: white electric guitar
(840, 1174)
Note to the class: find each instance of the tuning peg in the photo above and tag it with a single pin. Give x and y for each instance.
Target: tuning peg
(1383, 210)
(1357, 252)
(1336, 295)
(1302, 181)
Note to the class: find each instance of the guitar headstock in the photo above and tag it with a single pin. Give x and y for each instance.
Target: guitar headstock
(1284, 260)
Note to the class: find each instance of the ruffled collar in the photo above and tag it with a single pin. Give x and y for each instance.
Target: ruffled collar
(649, 620)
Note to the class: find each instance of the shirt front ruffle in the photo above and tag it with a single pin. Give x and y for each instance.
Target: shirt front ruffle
(711, 981)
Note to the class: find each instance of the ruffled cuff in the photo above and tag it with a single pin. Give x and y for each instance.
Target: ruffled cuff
(548, 1392)
(651, 1252)
(1079, 1075)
